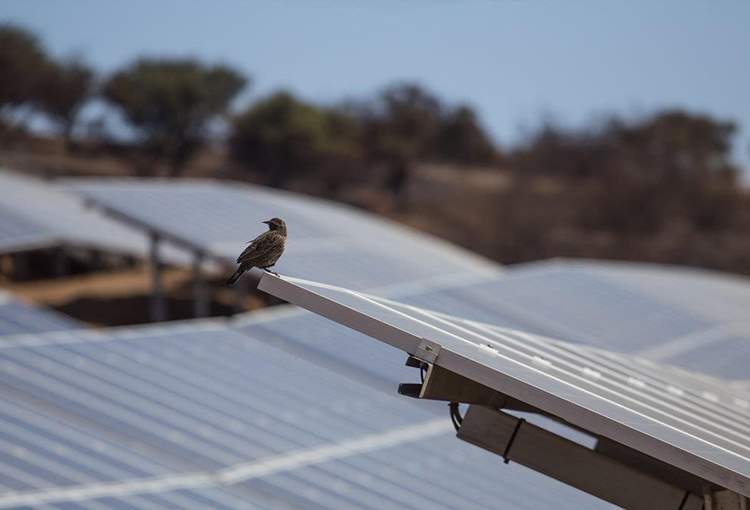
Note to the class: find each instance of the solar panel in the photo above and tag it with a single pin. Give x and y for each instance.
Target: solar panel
(706, 433)
(727, 355)
(575, 305)
(346, 245)
(19, 318)
(65, 216)
(612, 306)
(716, 296)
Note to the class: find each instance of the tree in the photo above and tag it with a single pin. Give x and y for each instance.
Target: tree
(284, 137)
(674, 166)
(410, 119)
(687, 148)
(463, 140)
(172, 102)
(65, 88)
(401, 127)
(22, 65)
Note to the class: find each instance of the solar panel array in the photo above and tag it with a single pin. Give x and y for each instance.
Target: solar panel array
(182, 396)
(18, 318)
(699, 428)
(692, 319)
(333, 241)
(196, 415)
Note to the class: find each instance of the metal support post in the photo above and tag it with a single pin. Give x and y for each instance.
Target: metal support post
(200, 294)
(158, 311)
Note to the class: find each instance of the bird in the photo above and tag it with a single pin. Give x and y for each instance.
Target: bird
(263, 251)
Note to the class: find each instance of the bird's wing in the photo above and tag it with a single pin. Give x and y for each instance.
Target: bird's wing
(260, 248)
(247, 252)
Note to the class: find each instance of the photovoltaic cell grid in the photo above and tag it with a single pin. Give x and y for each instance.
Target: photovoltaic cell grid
(156, 392)
(19, 318)
(687, 318)
(574, 305)
(647, 409)
(174, 405)
(717, 296)
(431, 473)
(333, 241)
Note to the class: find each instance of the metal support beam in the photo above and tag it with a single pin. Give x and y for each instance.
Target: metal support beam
(650, 465)
(571, 463)
(442, 384)
(721, 499)
(158, 310)
(200, 294)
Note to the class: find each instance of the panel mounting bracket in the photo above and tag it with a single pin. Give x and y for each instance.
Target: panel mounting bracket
(427, 351)
(442, 384)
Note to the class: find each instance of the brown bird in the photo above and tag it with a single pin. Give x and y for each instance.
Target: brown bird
(263, 251)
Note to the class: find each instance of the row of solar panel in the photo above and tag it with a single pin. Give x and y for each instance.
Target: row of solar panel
(90, 407)
(317, 334)
(335, 242)
(580, 304)
(346, 246)
(623, 308)
(302, 327)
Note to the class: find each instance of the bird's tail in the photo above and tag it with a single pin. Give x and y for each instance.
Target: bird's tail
(236, 276)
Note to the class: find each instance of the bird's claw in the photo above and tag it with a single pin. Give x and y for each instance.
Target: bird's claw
(272, 272)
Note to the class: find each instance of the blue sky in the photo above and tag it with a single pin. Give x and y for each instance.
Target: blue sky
(515, 61)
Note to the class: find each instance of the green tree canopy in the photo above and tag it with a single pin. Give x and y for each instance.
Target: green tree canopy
(282, 137)
(65, 88)
(22, 66)
(171, 102)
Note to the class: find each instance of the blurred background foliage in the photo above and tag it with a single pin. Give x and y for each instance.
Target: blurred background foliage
(171, 104)
(659, 187)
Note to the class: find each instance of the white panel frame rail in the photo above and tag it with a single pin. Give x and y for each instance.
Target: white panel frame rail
(633, 468)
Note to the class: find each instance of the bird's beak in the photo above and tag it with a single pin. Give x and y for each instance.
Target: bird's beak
(267, 222)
